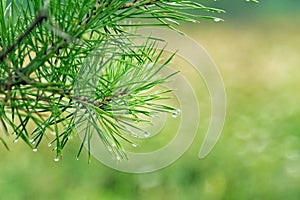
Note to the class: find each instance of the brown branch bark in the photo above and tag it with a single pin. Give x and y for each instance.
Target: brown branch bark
(138, 3)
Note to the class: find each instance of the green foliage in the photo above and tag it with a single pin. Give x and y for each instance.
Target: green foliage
(73, 65)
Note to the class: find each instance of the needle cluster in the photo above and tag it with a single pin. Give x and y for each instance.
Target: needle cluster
(72, 66)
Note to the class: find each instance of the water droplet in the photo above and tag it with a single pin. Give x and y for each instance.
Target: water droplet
(34, 150)
(134, 145)
(217, 19)
(77, 158)
(31, 140)
(49, 144)
(56, 159)
(176, 113)
(135, 135)
(146, 134)
(15, 140)
(154, 114)
(118, 158)
(109, 149)
(113, 145)
(52, 133)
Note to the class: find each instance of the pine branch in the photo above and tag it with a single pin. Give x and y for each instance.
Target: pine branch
(76, 67)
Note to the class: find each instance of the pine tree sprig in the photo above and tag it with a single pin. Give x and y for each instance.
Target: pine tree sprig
(70, 67)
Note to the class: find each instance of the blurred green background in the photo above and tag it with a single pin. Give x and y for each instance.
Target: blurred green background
(258, 155)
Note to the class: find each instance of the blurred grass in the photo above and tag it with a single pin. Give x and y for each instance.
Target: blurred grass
(257, 157)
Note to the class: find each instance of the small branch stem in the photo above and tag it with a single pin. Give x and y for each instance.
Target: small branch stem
(138, 3)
